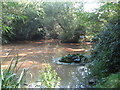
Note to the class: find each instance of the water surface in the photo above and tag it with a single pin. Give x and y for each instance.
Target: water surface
(41, 53)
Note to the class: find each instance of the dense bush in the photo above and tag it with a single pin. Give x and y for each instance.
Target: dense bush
(111, 81)
(72, 36)
(21, 21)
(106, 54)
(31, 21)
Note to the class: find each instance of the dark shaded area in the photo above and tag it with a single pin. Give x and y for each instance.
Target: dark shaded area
(106, 55)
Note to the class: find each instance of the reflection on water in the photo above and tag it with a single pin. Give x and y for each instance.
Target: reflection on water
(72, 76)
(43, 52)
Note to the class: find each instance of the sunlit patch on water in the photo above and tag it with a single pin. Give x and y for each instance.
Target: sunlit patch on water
(22, 54)
(26, 64)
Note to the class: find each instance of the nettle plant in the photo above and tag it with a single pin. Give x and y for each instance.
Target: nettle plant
(48, 78)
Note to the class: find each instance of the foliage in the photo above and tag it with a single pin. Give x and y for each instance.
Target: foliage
(10, 14)
(21, 21)
(108, 10)
(11, 76)
(72, 35)
(71, 27)
(74, 58)
(111, 81)
(31, 21)
(48, 78)
(95, 21)
(62, 20)
(31, 28)
(106, 52)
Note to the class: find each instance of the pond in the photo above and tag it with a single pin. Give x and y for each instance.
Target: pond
(42, 52)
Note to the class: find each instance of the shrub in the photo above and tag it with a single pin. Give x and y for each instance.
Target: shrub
(106, 54)
(72, 36)
(48, 78)
(111, 81)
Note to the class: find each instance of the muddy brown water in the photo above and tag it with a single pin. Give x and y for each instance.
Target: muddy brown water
(41, 53)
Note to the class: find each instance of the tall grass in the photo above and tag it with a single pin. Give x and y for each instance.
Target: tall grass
(12, 76)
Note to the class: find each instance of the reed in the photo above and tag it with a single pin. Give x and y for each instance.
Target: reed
(12, 76)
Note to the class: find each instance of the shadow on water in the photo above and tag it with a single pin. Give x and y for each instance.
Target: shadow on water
(41, 53)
